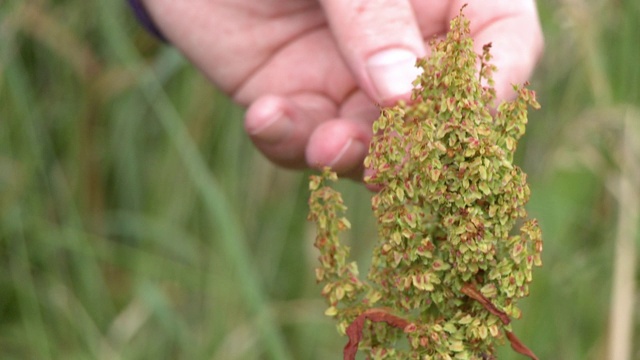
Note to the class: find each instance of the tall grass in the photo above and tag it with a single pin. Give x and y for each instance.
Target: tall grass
(138, 222)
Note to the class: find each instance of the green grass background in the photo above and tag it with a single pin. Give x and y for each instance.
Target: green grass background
(138, 222)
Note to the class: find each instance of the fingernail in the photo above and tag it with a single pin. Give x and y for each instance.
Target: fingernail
(392, 72)
(273, 129)
(351, 153)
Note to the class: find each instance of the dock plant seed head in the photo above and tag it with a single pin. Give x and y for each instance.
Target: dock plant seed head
(456, 248)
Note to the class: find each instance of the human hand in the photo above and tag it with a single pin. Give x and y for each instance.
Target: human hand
(311, 72)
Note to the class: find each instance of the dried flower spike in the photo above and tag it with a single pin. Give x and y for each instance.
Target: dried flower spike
(456, 248)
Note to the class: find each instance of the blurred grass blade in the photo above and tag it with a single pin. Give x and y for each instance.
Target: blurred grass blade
(232, 239)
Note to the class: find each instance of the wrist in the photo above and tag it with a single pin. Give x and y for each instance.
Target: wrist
(145, 19)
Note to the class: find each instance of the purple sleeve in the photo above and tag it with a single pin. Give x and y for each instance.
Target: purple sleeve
(145, 19)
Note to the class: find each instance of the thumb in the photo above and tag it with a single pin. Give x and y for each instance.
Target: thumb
(380, 40)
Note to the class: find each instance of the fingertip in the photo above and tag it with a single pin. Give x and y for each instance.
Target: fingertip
(280, 126)
(517, 43)
(339, 144)
(380, 40)
(267, 120)
(391, 73)
(368, 173)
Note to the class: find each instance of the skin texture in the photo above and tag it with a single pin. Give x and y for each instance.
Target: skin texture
(312, 72)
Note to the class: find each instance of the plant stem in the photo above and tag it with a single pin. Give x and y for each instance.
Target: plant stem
(623, 291)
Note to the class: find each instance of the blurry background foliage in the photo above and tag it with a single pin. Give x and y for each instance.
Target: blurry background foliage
(138, 222)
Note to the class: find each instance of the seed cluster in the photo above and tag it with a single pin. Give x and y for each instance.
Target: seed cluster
(456, 248)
